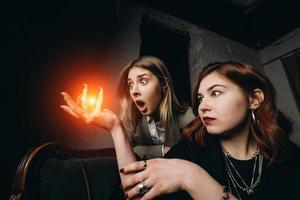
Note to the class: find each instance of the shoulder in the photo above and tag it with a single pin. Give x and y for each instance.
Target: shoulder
(141, 125)
(185, 117)
(290, 155)
(288, 167)
(283, 178)
(140, 134)
(281, 181)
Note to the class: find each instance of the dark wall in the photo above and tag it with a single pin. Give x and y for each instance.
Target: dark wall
(172, 47)
(43, 45)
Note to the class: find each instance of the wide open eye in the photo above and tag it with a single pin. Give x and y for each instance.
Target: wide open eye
(144, 81)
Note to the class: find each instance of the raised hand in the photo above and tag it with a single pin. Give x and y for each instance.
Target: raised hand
(95, 115)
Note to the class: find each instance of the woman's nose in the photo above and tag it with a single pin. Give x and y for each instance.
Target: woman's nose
(135, 91)
(204, 106)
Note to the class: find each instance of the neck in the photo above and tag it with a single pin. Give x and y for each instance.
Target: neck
(155, 116)
(240, 146)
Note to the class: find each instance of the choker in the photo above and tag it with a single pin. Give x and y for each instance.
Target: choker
(257, 152)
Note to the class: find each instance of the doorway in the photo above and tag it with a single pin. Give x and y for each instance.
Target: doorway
(170, 45)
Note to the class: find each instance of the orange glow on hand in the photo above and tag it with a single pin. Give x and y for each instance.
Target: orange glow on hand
(89, 102)
(89, 109)
(72, 69)
(92, 101)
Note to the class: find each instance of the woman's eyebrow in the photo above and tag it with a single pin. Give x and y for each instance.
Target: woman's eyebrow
(139, 76)
(212, 87)
(216, 85)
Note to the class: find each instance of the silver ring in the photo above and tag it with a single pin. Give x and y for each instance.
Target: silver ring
(145, 164)
(143, 189)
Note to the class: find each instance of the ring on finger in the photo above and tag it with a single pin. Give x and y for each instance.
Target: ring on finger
(142, 188)
(145, 164)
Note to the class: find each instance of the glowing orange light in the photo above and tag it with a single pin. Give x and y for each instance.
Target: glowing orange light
(92, 101)
(69, 70)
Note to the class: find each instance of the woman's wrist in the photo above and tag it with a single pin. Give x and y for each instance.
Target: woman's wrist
(115, 126)
(191, 177)
(210, 188)
(118, 131)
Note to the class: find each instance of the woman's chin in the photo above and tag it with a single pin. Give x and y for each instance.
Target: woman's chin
(144, 111)
(220, 133)
(214, 131)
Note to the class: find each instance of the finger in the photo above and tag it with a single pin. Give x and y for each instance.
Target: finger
(134, 179)
(71, 103)
(153, 192)
(135, 191)
(84, 101)
(98, 107)
(69, 110)
(73, 106)
(135, 167)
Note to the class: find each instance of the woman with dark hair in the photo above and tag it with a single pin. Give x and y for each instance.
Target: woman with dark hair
(233, 149)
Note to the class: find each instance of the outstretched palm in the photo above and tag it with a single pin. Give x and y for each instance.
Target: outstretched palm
(101, 117)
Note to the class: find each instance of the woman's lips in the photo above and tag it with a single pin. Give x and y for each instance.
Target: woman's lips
(141, 106)
(208, 120)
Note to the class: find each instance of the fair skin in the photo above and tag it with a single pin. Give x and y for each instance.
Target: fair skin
(145, 90)
(223, 109)
(164, 176)
(105, 119)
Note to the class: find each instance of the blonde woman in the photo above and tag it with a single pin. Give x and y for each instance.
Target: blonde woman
(150, 111)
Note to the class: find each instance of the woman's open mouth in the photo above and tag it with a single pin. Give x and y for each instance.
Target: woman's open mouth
(141, 106)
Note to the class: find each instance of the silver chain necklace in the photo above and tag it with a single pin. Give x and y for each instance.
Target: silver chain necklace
(237, 191)
(249, 189)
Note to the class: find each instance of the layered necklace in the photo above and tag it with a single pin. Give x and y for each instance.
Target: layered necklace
(236, 179)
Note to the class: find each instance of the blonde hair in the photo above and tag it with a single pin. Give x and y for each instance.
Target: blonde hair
(169, 104)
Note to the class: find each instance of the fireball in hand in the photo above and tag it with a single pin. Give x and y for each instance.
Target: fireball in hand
(88, 102)
(90, 109)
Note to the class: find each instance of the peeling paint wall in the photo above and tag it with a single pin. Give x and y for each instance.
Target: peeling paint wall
(274, 69)
(205, 47)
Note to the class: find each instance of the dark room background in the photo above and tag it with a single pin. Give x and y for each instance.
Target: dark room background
(53, 46)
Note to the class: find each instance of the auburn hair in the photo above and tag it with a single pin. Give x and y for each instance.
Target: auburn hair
(267, 133)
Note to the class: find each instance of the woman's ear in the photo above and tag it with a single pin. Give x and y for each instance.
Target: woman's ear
(256, 99)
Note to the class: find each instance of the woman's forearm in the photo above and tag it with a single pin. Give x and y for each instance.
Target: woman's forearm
(124, 151)
(200, 185)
